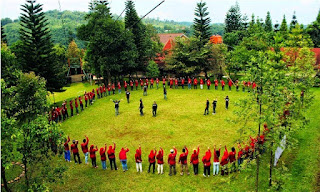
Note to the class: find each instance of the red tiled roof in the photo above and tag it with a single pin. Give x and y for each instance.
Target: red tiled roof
(164, 37)
(216, 39)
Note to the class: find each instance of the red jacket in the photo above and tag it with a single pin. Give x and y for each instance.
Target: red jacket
(222, 83)
(195, 82)
(232, 156)
(195, 157)
(76, 103)
(74, 148)
(171, 81)
(84, 146)
(201, 81)
(157, 80)
(152, 81)
(172, 158)
(189, 81)
(125, 84)
(131, 83)
(254, 85)
(225, 157)
(137, 83)
(164, 81)
(230, 83)
(141, 82)
(240, 153)
(183, 159)
(111, 151)
(160, 157)
(66, 145)
(138, 155)
(71, 105)
(215, 156)
(208, 82)
(176, 82)
(207, 158)
(182, 81)
(119, 85)
(93, 152)
(109, 88)
(123, 154)
(152, 156)
(103, 153)
(216, 83)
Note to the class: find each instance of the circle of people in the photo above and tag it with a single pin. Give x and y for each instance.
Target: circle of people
(232, 158)
(59, 114)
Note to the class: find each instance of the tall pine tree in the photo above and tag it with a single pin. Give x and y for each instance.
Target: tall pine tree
(294, 21)
(140, 36)
(201, 23)
(284, 25)
(314, 31)
(268, 23)
(37, 47)
(3, 35)
(233, 19)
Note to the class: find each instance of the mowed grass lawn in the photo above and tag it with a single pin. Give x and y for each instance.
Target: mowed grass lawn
(180, 121)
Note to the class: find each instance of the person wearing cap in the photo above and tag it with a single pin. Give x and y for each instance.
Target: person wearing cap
(195, 161)
(75, 151)
(138, 159)
(160, 161)
(183, 160)
(84, 147)
(172, 161)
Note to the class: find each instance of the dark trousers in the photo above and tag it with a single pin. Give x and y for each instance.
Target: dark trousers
(136, 87)
(229, 88)
(67, 115)
(76, 155)
(131, 88)
(174, 169)
(206, 170)
(195, 86)
(227, 105)
(113, 160)
(141, 111)
(151, 86)
(206, 111)
(128, 100)
(153, 167)
(94, 162)
(208, 87)
(86, 103)
(182, 86)
(222, 88)
(237, 87)
(81, 106)
(154, 113)
(196, 169)
(216, 87)
(214, 109)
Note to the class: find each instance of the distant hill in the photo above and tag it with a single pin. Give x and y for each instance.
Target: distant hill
(73, 19)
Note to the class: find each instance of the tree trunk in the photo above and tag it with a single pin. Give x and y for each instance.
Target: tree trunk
(4, 180)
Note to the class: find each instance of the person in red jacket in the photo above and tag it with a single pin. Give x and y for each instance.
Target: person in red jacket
(84, 147)
(183, 160)
(86, 99)
(147, 82)
(80, 102)
(112, 157)
(230, 84)
(216, 83)
(189, 83)
(151, 83)
(201, 83)
(160, 161)
(237, 84)
(208, 84)
(109, 89)
(141, 84)
(224, 162)
(195, 83)
(171, 83)
(249, 86)
(136, 83)
(67, 150)
(163, 81)
(75, 151)
(244, 84)
(131, 85)
(119, 87)
(93, 156)
(157, 82)
(232, 159)
(123, 158)
(182, 83)
(98, 92)
(113, 87)
(152, 160)
(207, 163)
(125, 85)
(138, 159)
(195, 161)
(103, 157)
(172, 161)
(216, 161)
(176, 83)
(222, 84)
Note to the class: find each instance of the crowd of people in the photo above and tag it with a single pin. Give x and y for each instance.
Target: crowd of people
(228, 161)
(59, 114)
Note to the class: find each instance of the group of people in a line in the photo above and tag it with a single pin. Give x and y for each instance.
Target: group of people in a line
(59, 114)
(229, 161)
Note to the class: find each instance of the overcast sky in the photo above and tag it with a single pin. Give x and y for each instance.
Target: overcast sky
(182, 10)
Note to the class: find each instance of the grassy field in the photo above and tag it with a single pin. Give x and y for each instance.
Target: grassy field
(180, 122)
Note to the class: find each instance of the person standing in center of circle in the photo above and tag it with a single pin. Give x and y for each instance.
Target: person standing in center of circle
(206, 110)
(141, 107)
(214, 105)
(227, 102)
(154, 109)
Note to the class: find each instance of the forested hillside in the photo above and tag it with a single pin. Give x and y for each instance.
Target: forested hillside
(70, 20)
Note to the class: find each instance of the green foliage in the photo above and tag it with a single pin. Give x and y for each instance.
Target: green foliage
(153, 69)
(294, 21)
(314, 31)
(9, 66)
(3, 35)
(233, 21)
(201, 23)
(284, 26)
(30, 97)
(268, 23)
(5, 21)
(36, 51)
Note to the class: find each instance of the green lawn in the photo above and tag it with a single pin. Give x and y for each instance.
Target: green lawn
(180, 122)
